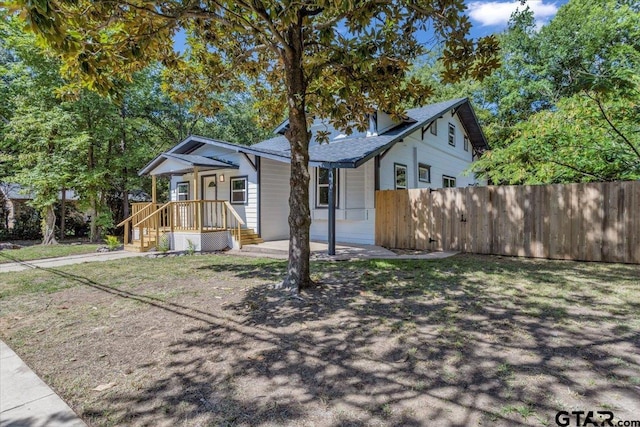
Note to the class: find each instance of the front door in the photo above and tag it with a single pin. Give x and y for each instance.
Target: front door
(209, 192)
(209, 187)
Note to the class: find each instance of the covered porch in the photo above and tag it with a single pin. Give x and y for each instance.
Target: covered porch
(195, 219)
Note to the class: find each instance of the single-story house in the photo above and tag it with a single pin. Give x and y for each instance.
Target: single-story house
(223, 192)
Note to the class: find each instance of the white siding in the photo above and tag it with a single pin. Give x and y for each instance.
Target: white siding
(274, 199)
(384, 122)
(434, 151)
(355, 216)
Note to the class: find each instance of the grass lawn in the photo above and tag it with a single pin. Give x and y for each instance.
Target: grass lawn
(204, 340)
(30, 253)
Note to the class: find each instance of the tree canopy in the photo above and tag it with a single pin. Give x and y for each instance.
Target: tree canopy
(563, 106)
(322, 58)
(52, 139)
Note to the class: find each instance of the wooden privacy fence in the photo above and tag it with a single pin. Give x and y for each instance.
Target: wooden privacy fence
(587, 222)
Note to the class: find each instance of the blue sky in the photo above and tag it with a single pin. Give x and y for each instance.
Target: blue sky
(492, 16)
(487, 16)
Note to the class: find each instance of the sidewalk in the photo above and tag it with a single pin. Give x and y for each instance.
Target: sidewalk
(67, 260)
(26, 401)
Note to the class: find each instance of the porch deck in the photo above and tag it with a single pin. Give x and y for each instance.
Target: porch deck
(150, 222)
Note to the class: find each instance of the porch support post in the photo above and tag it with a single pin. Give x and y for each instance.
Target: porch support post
(196, 196)
(154, 190)
(332, 212)
(196, 181)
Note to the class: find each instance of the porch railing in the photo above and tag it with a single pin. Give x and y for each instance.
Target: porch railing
(188, 215)
(138, 211)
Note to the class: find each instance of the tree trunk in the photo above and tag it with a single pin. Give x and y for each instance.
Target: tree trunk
(298, 276)
(49, 226)
(63, 213)
(93, 229)
(125, 172)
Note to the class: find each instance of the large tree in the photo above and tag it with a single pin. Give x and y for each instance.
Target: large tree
(325, 58)
(567, 97)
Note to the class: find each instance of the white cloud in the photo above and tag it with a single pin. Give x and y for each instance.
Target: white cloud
(489, 13)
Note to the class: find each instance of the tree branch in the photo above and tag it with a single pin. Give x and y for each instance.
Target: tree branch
(613, 126)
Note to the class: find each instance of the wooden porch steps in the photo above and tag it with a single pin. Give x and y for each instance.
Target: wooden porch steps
(135, 246)
(249, 237)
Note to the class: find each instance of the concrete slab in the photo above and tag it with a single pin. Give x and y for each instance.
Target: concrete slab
(14, 371)
(280, 248)
(25, 400)
(68, 260)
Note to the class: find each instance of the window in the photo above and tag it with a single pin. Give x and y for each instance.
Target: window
(424, 172)
(448, 181)
(239, 190)
(433, 127)
(322, 187)
(182, 190)
(466, 143)
(452, 135)
(400, 173)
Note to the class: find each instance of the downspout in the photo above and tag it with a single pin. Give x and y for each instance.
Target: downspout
(259, 225)
(332, 212)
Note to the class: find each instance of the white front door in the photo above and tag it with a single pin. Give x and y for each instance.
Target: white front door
(209, 192)
(209, 187)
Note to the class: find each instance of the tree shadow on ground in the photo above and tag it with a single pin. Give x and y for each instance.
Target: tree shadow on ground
(455, 342)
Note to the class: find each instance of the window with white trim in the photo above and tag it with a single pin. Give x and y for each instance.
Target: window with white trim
(400, 174)
(239, 190)
(466, 143)
(448, 181)
(433, 127)
(322, 187)
(452, 135)
(182, 191)
(424, 172)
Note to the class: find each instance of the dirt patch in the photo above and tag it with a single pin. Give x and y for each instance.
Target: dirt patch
(208, 341)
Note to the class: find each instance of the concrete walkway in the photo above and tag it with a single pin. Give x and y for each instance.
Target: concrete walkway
(280, 249)
(67, 260)
(26, 401)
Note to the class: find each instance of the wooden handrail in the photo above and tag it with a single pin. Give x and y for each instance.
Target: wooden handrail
(185, 215)
(130, 218)
(152, 214)
(233, 212)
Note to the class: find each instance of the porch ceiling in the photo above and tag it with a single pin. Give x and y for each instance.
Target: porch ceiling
(175, 164)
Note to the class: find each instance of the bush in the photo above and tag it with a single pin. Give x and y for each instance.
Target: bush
(26, 227)
(191, 247)
(113, 243)
(164, 244)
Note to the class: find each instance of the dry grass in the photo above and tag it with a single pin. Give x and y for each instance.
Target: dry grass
(205, 340)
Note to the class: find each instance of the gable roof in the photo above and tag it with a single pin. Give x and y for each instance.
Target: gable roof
(189, 160)
(347, 152)
(351, 152)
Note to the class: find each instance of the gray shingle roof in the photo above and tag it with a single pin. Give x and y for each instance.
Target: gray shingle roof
(347, 152)
(354, 151)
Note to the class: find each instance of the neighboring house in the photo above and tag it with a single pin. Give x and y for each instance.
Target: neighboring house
(431, 147)
(15, 201)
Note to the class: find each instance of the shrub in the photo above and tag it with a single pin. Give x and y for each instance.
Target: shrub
(191, 247)
(113, 243)
(27, 226)
(163, 245)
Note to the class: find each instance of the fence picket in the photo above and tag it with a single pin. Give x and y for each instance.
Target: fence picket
(590, 222)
